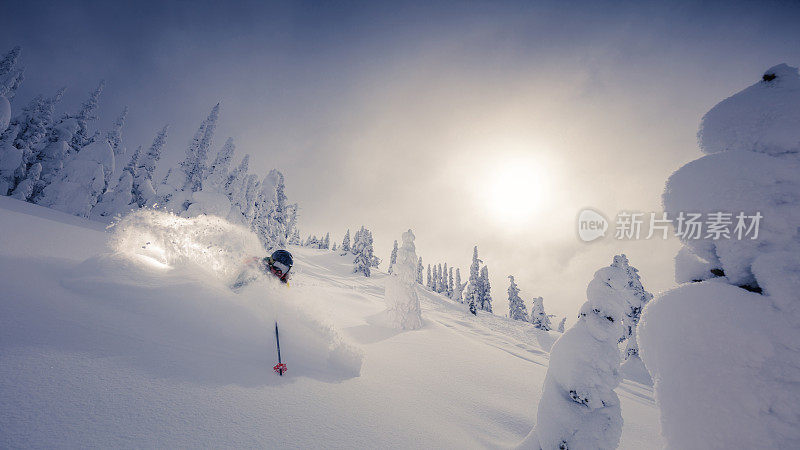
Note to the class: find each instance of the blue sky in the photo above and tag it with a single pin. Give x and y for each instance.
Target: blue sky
(403, 114)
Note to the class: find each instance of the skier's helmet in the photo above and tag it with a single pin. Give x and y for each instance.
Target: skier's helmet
(280, 262)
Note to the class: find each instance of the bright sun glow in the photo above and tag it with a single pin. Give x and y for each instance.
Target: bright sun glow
(516, 189)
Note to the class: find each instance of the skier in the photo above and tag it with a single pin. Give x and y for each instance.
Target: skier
(278, 264)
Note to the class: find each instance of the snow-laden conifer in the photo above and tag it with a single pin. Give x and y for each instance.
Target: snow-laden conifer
(363, 251)
(114, 135)
(637, 299)
(23, 142)
(539, 317)
(579, 408)
(11, 76)
(393, 257)
(516, 306)
(402, 301)
(485, 289)
(346, 242)
(473, 296)
(218, 170)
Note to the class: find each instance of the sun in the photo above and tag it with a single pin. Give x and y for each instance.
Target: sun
(515, 189)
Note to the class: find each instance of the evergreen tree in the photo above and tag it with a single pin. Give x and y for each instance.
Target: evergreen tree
(402, 301)
(485, 290)
(333, 248)
(133, 163)
(114, 135)
(326, 242)
(250, 195)
(516, 306)
(450, 289)
(295, 240)
(22, 144)
(194, 165)
(393, 257)
(291, 225)
(419, 270)
(429, 282)
(236, 188)
(346, 242)
(539, 317)
(10, 76)
(637, 298)
(281, 208)
(578, 407)
(217, 176)
(362, 249)
(474, 298)
(561, 324)
(458, 291)
(84, 115)
(444, 281)
(143, 191)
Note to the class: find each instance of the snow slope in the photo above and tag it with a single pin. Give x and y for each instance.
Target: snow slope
(101, 348)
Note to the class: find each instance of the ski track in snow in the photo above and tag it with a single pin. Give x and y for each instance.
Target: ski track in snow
(81, 366)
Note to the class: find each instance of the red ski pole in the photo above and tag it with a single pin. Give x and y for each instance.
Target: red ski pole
(280, 367)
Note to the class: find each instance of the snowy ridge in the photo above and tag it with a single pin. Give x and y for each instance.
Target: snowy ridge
(98, 348)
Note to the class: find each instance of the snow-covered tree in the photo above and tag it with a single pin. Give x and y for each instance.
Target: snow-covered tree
(402, 301)
(326, 241)
(485, 289)
(473, 298)
(516, 306)
(362, 249)
(333, 246)
(450, 287)
(420, 268)
(637, 299)
(291, 225)
(722, 346)
(119, 200)
(114, 135)
(249, 194)
(561, 324)
(346, 243)
(295, 239)
(11, 77)
(393, 257)
(429, 278)
(217, 176)
(193, 167)
(578, 407)
(444, 281)
(144, 193)
(458, 288)
(22, 144)
(77, 187)
(81, 138)
(235, 188)
(539, 317)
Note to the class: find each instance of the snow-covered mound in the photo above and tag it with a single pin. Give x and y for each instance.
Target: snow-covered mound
(724, 352)
(732, 183)
(728, 388)
(762, 118)
(104, 343)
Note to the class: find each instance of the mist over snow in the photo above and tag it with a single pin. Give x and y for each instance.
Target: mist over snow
(192, 196)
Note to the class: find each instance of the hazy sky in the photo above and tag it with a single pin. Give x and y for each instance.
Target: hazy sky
(470, 122)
